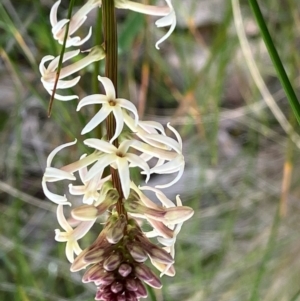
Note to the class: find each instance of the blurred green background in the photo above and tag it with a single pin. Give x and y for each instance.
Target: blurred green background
(241, 173)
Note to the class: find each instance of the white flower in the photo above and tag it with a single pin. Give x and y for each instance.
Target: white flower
(176, 164)
(109, 104)
(49, 74)
(118, 158)
(90, 188)
(58, 28)
(71, 235)
(53, 174)
(168, 13)
(168, 20)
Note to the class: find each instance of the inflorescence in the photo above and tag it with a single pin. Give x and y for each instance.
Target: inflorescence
(115, 261)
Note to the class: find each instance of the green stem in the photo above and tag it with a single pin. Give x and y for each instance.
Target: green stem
(285, 82)
(61, 56)
(111, 69)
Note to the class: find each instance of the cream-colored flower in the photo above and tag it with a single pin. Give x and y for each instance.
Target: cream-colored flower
(49, 74)
(168, 13)
(110, 104)
(90, 188)
(53, 174)
(118, 158)
(71, 236)
(58, 27)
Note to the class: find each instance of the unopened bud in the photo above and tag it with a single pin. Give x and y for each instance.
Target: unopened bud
(141, 291)
(137, 253)
(145, 274)
(85, 213)
(115, 232)
(124, 269)
(94, 255)
(112, 262)
(116, 287)
(176, 215)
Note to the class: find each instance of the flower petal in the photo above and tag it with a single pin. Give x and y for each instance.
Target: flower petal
(92, 99)
(103, 161)
(117, 111)
(124, 175)
(126, 104)
(140, 163)
(101, 145)
(97, 119)
(62, 220)
(108, 86)
(56, 150)
(53, 13)
(58, 199)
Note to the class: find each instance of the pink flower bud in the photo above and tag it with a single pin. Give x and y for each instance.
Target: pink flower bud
(124, 269)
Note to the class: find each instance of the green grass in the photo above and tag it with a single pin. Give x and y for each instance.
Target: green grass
(240, 245)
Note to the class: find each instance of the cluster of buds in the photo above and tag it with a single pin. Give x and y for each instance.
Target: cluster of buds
(115, 262)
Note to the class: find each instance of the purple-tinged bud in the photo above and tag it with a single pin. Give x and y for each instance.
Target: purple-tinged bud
(94, 255)
(87, 275)
(131, 296)
(131, 284)
(155, 252)
(121, 297)
(115, 232)
(79, 263)
(97, 274)
(90, 212)
(161, 228)
(135, 207)
(141, 291)
(137, 253)
(107, 279)
(112, 262)
(124, 269)
(176, 215)
(145, 274)
(116, 287)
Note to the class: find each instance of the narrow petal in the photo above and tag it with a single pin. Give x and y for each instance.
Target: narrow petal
(83, 229)
(124, 174)
(54, 174)
(97, 119)
(173, 144)
(179, 175)
(126, 104)
(140, 163)
(142, 8)
(103, 161)
(92, 99)
(58, 199)
(53, 13)
(101, 145)
(42, 63)
(65, 84)
(76, 190)
(108, 86)
(152, 126)
(69, 251)
(57, 28)
(56, 150)
(62, 220)
(117, 111)
(170, 19)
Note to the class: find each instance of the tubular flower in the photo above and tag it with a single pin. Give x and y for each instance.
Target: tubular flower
(168, 13)
(49, 74)
(58, 27)
(109, 104)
